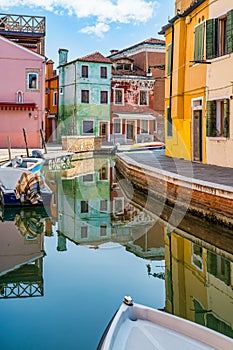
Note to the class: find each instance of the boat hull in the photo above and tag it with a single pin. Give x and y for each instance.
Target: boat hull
(139, 327)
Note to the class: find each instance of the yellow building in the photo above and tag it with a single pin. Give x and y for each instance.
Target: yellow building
(185, 85)
(199, 82)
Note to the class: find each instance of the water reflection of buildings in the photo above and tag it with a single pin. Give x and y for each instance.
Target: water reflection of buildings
(199, 282)
(93, 210)
(21, 254)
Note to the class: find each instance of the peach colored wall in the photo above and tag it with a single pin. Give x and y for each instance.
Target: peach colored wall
(15, 60)
(219, 150)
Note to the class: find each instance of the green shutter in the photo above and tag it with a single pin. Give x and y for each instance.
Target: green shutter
(169, 58)
(211, 118)
(226, 116)
(211, 38)
(199, 42)
(230, 31)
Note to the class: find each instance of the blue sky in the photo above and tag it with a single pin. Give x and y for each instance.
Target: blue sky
(86, 26)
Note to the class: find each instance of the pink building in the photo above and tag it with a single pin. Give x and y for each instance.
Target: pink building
(22, 101)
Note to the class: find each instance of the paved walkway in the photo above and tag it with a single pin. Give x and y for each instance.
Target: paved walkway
(204, 172)
(158, 160)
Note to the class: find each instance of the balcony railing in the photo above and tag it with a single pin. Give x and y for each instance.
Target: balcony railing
(10, 23)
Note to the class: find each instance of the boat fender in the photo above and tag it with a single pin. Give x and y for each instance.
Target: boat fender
(128, 300)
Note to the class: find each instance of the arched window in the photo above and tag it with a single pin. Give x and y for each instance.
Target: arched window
(19, 96)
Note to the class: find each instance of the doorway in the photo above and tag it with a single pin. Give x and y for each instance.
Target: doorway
(104, 131)
(130, 134)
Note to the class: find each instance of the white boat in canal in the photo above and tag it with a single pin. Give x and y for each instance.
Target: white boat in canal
(138, 327)
(32, 164)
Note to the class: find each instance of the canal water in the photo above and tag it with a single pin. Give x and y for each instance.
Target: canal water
(64, 270)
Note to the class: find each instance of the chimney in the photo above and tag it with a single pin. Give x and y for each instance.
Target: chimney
(49, 69)
(63, 56)
(113, 51)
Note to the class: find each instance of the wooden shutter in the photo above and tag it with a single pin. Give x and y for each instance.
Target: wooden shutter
(226, 117)
(211, 118)
(229, 31)
(199, 42)
(211, 38)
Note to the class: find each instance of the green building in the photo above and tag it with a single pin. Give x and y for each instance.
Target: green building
(84, 95)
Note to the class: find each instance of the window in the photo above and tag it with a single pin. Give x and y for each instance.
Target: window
(199, 42)
(219, 32)
(84, 71)
(116, 126)
(88, 127)
(143, 98)
(119, 66)
(88, 178)
(84, 207)
(103, 72)
(197, 256)
(103, 205)
(85, 96)
(155, 125)
(144, 127)
(217, 118)
(32, 81)
(19, 96)
(61, 91)
(169, 122)
(55, 98)
(103, 173)
(126, 66)
(103, 97)
(84, 231)
(169, 59)
(103, 230)
(118, 96)
(118, 206)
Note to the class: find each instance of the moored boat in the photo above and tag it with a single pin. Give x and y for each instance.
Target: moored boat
(33, 164)
(136, 327)
(21, 187)
(156, 145)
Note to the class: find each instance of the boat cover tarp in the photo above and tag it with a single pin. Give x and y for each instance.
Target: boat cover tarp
(28, 188)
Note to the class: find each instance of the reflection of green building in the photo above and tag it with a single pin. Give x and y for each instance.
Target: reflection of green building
(84, 205)
(84, 95)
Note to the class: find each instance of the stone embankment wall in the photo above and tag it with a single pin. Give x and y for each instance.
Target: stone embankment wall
(201, 198)
(81, 143)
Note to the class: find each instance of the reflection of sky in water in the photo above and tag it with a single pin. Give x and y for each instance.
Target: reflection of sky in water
(83, 288)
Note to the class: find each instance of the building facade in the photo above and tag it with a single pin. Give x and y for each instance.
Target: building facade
(84, 95)
(21, 95)
(198, 88)
(51, 102)
(137, 101)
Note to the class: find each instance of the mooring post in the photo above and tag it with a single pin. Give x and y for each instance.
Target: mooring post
(43, 141)
(25, 140)
(9, 146)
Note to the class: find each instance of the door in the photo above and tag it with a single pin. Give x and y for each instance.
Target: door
(104, 130)
(197, 135)
(130, 130)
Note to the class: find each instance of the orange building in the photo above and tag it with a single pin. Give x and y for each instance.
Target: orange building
(51, 102)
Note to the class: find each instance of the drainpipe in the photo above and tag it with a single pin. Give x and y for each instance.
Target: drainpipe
(171, 76)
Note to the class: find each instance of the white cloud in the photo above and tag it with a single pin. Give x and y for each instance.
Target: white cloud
(99, 29)
(103, 12)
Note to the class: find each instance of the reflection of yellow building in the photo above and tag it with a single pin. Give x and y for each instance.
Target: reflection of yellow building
(185, 87)
(199, 283)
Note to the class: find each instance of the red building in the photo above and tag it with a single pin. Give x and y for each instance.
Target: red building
(137, 96)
